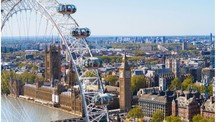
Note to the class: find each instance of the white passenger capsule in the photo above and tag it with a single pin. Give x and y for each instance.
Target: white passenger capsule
(92, 62)
(103, 99)
(80, 32)
(66, 9)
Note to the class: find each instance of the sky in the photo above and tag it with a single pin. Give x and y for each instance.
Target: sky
(145, 17)
(134, 18)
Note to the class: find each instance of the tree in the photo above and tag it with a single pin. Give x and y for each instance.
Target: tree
(137, 82)
(110, 59)
(175, 83)
(212, 120)
(202, 88)
(27, 77)
(199, 118)
(41, 78)
(135, 112)
(210, 90)
(5, 80)
(138, 52)
(6, 76)
(136, 58)
(34, 67)
(187, 82)
(173, 119)
(158, 116)
(112, 79)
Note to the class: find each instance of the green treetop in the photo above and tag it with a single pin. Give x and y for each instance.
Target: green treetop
(137, 82)
(135, 112)
(187, 82)
(173, 119)
(158, 116)
(199, 118)
(175, 83)
(112, 79)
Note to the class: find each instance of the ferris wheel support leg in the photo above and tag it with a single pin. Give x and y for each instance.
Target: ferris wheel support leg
(107, 114)
(84, 103)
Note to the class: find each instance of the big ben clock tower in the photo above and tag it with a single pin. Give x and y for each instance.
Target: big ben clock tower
(125, 85)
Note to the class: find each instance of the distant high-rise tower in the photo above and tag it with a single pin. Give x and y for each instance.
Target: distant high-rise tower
(52, 63)
(125, 85)
(212, 58)
(211, 38)
(184, 45)
(164, 39)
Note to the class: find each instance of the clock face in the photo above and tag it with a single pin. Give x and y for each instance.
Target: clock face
(121, 75)
(128, 74)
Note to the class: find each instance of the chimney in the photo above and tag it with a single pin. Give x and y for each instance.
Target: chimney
(186, 96)
(201, 97)
(178, 94)
(194, 96)
(211, 99)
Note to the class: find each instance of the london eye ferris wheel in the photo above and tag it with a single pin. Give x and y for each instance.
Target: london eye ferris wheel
(59, 18)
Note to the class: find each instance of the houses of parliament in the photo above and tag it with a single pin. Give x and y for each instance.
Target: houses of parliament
(58, 88)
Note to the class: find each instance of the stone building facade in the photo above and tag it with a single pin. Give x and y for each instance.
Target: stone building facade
(56, 96)
(184, 104)
(15, 87)
(185, 108)
(174, 65)
(150, 102)
(52, 63)
(153, 76)
(71, 101)
(187, 104)
(207, 109)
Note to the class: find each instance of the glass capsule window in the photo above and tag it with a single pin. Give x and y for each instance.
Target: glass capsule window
(80, 32)
(66, 9)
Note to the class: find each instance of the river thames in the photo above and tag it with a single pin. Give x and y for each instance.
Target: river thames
(16, 110)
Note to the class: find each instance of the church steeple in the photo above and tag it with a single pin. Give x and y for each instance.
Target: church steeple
(125, 62)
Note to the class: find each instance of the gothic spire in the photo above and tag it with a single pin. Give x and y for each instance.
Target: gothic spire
(124, 62)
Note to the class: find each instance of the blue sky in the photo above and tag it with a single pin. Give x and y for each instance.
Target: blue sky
(129, 18)
(145, 17)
